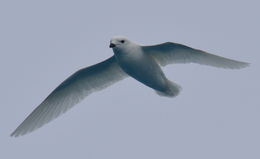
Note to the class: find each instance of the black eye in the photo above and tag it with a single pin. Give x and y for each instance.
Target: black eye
(122, 41)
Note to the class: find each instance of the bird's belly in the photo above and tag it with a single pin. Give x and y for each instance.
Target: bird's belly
(147, 71)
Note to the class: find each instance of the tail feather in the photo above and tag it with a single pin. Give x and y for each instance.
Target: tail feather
(172, 90)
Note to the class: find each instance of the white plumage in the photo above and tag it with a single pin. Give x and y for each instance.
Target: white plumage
(130, 59)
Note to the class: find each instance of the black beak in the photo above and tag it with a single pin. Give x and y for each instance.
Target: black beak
(112, 45)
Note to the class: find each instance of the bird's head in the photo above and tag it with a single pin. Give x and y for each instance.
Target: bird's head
(119, 42)
(123, 46)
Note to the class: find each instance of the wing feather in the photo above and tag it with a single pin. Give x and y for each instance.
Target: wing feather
(169, 53)
(70, 92)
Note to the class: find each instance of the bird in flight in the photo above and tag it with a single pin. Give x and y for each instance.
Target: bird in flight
(130, 59)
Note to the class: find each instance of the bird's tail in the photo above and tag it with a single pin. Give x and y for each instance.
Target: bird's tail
(172, 90)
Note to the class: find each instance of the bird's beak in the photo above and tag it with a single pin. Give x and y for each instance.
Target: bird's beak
(112, 45)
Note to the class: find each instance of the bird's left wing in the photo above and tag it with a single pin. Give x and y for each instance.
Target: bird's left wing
(70, 92)
(169, 53)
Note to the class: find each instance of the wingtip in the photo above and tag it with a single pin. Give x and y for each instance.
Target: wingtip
(239, 65)
(13, 135)
(18, 132)
(244, 65)
(247, 64)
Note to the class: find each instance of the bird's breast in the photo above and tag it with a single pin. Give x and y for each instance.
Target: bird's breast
(144, 69)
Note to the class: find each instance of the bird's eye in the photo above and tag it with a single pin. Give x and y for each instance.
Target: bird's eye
(122, 41)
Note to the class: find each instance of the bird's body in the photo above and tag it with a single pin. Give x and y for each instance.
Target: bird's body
(129, 59)
(141, 67)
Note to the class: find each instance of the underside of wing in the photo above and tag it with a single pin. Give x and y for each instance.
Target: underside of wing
(70, 92)
(170, 53)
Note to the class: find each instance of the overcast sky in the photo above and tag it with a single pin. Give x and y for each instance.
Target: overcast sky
(216, 115)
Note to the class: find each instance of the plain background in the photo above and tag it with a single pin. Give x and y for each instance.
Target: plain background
(215, 116)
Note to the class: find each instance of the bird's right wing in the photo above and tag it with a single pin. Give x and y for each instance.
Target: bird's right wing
(170, 53)
(72, 91)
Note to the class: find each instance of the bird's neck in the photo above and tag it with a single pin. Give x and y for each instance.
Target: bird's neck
(130, 54)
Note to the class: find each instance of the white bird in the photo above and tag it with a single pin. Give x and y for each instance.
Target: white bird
(129, 59)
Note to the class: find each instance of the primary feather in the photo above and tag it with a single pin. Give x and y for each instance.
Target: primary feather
(170, 53)
(70, 92)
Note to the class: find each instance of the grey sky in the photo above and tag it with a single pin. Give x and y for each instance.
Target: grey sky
(215, 116)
